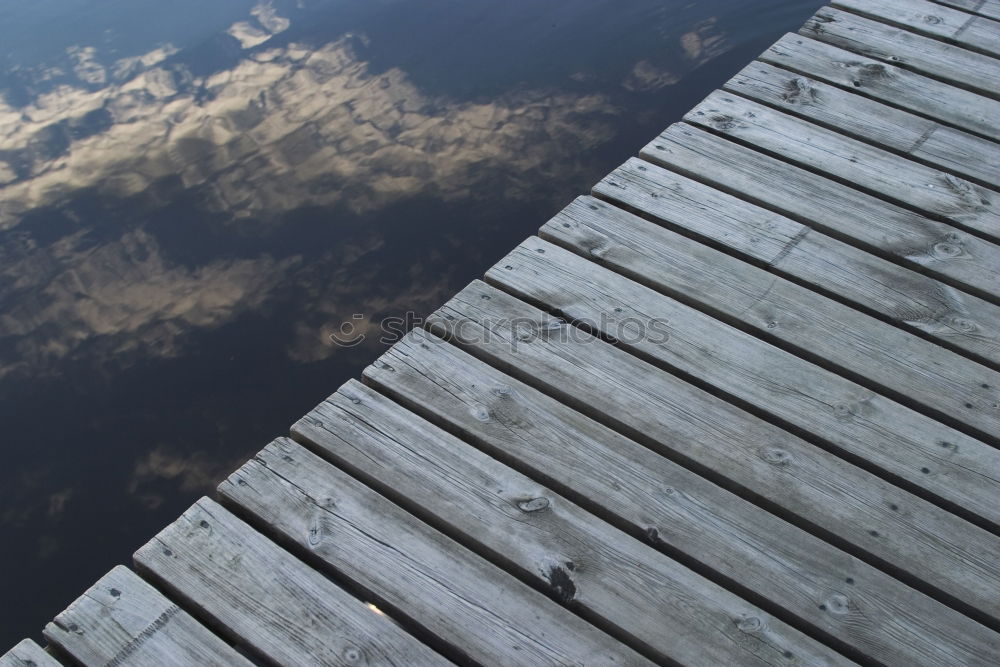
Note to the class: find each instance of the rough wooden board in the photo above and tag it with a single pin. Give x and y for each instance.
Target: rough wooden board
(122, 620)
(920, 138)
(874, 169)
(716, 438)
(870, 427)
(901, 47)
(614, 579)
(988, 8)
(835, 209)
(867, 610)
(915, 301)
(466, 602)
(956, 26)
(895, 86)
(269, 600)
(28, 654)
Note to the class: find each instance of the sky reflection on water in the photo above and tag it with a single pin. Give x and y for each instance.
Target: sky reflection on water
(194, 196)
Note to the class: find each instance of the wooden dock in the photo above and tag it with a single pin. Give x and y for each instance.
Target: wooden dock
(741, 406)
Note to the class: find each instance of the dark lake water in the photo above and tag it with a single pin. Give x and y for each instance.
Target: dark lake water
(196, 194)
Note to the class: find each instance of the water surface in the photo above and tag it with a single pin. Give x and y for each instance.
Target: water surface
(194, 196)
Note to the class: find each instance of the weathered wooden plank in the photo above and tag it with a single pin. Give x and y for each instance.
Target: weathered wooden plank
(988, 8)
(862, 118)
(939, 193)
(267, 599)
(835, 209)
(866, 610)
(28, 654)
(469, 604)
(886, 435)
(122, 620)
(895, 86)
(905, 49)
(915, 301)
(930, 547)
(974, 32)
(612, 578)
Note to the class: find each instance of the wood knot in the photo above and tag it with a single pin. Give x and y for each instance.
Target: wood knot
(724, 122)
(777, 457)
(351, 654)
(930, 19)
(503, 391)
(531, 505)
(843, 411)
(561, 584)
(798, 91)
(966, 326)
(838, 604)
(946, 250)
(749, 624)
(481, 413)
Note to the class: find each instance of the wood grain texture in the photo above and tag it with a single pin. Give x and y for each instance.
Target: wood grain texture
(122, 620)
(672, 507)
(895, 86)
(862, 118)
(909, 299)
(582, 561)
(965, 472)
(906, 49)
(937, 192)
(920, 16)
(347, 528)
(837, 210)
(987, 8)
(269, 601)
(28, 654)
(729, 445)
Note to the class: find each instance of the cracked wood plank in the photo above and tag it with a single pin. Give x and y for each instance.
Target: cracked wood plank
(869, 612)
(903, 181)
(122, 620)
(895, 86)
(862, 118)
(905, 49)
(927, 545)
(907, 298)
(928, 18)
(28, 654)
(616, 581)
(410, 569)
(268, 600)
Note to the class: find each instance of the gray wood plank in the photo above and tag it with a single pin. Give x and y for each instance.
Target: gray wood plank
(869, 426)
(674, 508)
(927, 545)
(28, 654)
(610, 577)
(915, 301)
(939, 193)
(895, 86)
(890, 231)
(974, 32)
(122, 620)
(270, 601)
(901, 47)
(411, 568)
(988, 8)
(859, 117)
